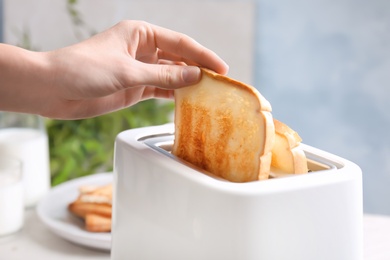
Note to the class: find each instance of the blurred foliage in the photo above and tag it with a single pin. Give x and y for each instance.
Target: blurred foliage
(25, 41)
(81, 29)
(83, 147)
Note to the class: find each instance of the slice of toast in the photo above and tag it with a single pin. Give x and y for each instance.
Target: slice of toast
(97, 223)
(81, 209)
(287, 156)
(224, 127)
(100, 194)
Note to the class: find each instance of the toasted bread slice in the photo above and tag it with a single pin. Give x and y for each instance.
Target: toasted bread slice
(81, 209)
(287, 156)
(87, 188)
(100, 194)
(97, 223)
(224, 127)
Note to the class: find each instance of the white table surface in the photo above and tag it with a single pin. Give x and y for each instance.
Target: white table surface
(35, 241)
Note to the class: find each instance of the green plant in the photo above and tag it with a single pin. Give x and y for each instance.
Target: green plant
(84, 147)
(80, 28)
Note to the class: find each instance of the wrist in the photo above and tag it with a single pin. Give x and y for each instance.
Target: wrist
(23, 79)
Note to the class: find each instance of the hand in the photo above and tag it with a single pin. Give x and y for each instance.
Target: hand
(117, 68)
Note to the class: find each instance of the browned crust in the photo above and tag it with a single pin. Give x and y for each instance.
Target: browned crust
(226, 79)
(266, 156)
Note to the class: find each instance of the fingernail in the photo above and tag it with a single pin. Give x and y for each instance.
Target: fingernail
(226, 69)
(191, 74)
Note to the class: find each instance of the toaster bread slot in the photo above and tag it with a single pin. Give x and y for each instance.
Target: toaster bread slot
(163, 143)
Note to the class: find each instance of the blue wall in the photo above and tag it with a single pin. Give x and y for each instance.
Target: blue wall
(325, 67)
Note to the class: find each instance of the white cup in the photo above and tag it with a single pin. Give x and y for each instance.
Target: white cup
(11, 196)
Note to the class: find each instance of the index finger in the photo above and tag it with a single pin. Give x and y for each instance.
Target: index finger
(186, 47)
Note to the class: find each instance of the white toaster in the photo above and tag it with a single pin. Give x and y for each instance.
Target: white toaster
(166, 208)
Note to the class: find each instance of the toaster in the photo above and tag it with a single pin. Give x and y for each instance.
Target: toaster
(166, 208)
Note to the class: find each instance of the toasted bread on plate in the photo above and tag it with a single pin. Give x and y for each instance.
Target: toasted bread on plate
(81, 209)
(97, 223)
(100, 194)
(94, 206)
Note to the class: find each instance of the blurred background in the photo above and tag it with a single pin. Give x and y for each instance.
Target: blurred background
(324, 65)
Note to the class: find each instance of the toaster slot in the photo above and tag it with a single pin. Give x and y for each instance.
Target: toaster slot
(163, 143)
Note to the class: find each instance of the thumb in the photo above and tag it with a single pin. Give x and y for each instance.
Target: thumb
(169, 76)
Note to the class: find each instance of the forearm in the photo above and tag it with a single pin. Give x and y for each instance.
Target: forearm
(24, 79)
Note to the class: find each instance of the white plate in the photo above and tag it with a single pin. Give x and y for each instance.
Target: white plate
(53, 212)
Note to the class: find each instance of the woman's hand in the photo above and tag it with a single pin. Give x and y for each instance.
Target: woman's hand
(117, 68)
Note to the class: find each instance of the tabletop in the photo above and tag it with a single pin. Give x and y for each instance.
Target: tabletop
(35, 241)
